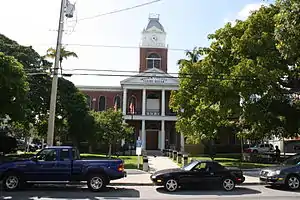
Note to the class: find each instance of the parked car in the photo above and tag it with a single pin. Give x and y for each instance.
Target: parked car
(287, 174)
(260, 148)
(60, 164)
(199, 172)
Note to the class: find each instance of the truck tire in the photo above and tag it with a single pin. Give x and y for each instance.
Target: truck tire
(96, 182)
(11, 181)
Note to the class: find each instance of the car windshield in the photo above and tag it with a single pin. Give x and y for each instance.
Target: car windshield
(294, 160)
(190, 166)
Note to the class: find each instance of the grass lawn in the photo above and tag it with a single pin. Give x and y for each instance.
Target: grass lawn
(130, 161)
(233, 162)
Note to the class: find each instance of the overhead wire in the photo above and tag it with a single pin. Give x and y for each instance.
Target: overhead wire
(119, 10)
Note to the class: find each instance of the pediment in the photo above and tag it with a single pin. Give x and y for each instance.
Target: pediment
(152, 76)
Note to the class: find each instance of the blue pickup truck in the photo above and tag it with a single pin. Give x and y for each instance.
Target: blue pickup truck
(60, 164)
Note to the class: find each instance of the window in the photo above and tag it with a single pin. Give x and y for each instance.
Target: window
(117, 102)
(102, 103)
(47, 155)
(201, 167)
(152, 96)
(88, 101)
(64, 154)
(153, 61)
(75, 154)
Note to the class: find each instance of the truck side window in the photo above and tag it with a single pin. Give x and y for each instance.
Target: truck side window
(47, 155)
(75, 154)
(64, 154)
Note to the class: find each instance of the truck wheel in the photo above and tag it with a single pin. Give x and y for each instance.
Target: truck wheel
(96, 182)
(11, 181)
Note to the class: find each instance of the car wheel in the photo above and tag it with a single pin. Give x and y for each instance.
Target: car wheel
(171, 185)
(228, 184)
(11, 182)
(96, 182)
(293, 182)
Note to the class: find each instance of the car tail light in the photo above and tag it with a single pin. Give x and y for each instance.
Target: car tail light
(238, 179)
(248, 150)
(121, 167)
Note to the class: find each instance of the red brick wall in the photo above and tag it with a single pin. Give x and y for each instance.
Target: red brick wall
(108, 95)
(144, 52)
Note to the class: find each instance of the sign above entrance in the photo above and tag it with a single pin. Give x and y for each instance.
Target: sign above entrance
(156, 80)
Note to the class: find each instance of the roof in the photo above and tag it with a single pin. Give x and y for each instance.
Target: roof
(151, 73)
(154, 22)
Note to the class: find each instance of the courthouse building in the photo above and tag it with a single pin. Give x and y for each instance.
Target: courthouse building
(144, 97)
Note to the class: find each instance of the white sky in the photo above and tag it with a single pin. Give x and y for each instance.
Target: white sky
(34, 22)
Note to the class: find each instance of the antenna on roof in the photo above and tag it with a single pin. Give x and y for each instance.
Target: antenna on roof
(153, 16)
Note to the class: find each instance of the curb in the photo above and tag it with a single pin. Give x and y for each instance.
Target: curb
(151, 184)
(131, 184)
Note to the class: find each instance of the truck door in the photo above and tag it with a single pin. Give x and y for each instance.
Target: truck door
(64, 164)
(43, 169)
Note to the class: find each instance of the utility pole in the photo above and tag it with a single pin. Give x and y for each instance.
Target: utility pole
(51, 121)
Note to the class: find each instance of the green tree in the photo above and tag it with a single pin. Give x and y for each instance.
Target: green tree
(242, 62)
(64, 54)
(13, 88)
(287, 30)
(110, 128)
(72, 117)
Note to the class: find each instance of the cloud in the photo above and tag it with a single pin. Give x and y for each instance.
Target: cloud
(245, 12)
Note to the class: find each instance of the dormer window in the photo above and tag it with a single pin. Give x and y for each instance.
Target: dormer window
(153, 61)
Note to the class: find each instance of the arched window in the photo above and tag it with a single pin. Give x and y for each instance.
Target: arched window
(153, 61)
(117, 102)
(88, 101)
(132, 105)
(102, 103)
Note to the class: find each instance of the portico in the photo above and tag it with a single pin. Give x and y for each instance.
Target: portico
(146, 100)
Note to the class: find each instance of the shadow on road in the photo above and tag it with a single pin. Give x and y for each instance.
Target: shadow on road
(281, 188)
(238, 191)
(70, 192)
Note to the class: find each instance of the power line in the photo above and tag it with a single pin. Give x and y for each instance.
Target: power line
(137, 73)
(119, 10)
(101, 46)
(122, 47)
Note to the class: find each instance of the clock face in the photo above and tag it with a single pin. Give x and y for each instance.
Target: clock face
(154, 38)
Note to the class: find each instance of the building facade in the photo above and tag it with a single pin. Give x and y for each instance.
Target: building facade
(144, 97)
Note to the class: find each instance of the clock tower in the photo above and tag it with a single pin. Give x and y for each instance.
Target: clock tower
(153, 48)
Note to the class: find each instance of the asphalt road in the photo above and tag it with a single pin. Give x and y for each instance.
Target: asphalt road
(147, 192)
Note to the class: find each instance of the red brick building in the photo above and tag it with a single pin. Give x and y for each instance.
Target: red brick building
(144, 98)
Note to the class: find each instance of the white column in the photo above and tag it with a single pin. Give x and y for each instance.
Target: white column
(159, 140)
(181, 142)
(124, 101)
(163, 135)
(143, 134)
(163, 102)
(144, 102)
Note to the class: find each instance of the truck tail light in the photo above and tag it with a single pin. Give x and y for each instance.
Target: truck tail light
(121, 167)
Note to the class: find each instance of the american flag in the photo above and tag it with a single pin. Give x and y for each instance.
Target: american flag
(115, 106)
(131, 108)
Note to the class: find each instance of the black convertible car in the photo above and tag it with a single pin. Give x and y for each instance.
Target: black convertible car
(209, 173)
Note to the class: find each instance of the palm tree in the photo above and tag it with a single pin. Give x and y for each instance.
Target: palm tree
(64, 54)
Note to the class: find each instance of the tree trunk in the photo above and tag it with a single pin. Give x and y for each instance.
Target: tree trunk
(109, 151)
